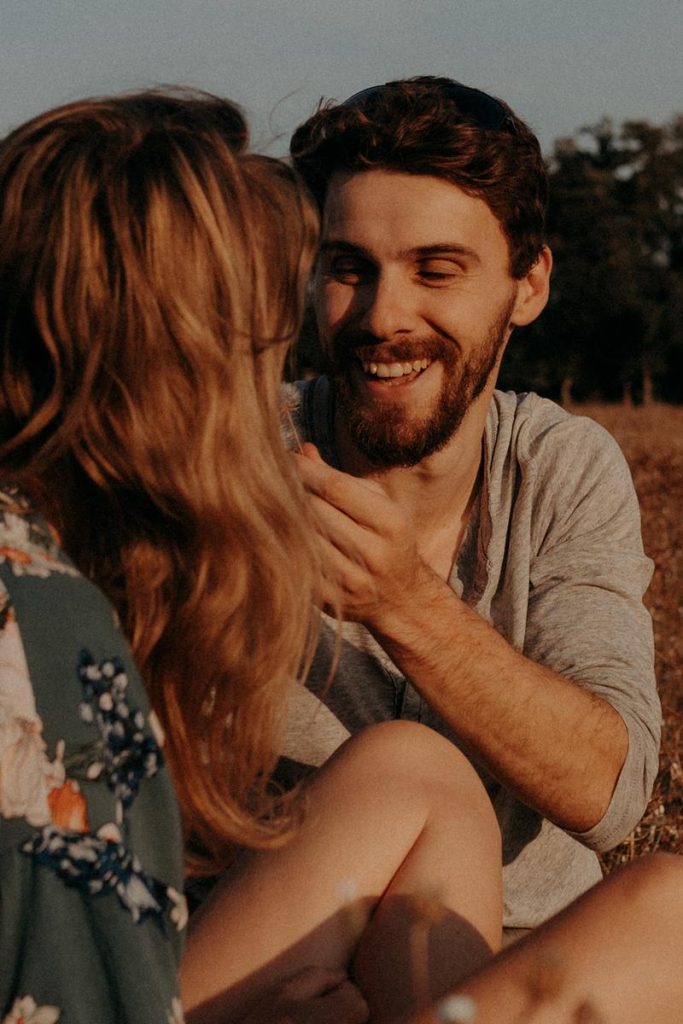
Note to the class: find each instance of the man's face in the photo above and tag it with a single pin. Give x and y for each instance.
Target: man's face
(414, 301)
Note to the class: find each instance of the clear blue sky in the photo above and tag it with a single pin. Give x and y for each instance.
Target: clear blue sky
(560, 63)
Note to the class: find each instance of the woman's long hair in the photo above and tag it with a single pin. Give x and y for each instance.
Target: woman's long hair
(152, 276)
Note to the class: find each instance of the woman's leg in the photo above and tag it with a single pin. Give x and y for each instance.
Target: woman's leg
(398, 825)
(615, 956)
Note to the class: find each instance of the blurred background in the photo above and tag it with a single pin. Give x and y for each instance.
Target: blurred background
(599, 81)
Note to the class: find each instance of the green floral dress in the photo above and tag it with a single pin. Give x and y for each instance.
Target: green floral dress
(91, 911)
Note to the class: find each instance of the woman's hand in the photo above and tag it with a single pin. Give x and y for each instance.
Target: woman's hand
(315, 995)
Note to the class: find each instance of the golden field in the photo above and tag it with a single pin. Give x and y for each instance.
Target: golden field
(651, 438)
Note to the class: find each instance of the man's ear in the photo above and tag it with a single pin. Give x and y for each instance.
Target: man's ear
(533, 290)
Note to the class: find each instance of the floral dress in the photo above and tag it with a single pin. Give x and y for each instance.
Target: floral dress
(91, 911)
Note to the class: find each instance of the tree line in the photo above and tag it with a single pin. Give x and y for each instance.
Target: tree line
(613, 328)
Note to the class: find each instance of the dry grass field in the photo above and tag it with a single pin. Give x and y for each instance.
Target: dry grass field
(651, 438)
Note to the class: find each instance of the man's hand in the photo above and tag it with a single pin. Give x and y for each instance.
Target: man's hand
(370, 557)
(316, 995)
(511, 714)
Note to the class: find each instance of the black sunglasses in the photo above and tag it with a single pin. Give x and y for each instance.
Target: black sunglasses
(478, 106)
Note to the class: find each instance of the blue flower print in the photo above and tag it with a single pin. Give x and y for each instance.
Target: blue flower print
(99, 863)
(129, 754)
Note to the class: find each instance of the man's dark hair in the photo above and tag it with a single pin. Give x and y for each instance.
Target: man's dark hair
(435, 126)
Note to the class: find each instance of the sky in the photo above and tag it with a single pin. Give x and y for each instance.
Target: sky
(561, 64)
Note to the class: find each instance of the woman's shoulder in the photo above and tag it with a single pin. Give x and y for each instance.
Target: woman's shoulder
(28, 545)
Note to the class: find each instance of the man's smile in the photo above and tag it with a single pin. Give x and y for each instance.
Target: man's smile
(395, 369)
(382, 376)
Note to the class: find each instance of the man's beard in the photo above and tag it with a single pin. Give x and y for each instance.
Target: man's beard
(382, 432)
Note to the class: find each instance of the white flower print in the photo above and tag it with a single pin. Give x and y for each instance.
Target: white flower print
(26, 773)
(179, 912)
(20, 547)
(16, 692)
(176, 1015)
(156, 727)
(25, 1011)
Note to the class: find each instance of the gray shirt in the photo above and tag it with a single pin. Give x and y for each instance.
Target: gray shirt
(553, 559)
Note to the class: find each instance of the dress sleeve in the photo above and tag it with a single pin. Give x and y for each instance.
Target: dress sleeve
(91, 915)
(586, 617)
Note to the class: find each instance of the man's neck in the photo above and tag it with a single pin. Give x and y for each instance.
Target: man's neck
(439, 491)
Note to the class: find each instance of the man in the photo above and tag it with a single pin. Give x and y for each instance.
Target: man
(484, 547)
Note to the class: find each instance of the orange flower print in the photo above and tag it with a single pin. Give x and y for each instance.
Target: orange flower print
(15, 555)
(68, 808)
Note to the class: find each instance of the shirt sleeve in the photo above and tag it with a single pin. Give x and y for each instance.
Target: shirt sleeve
(586, 617)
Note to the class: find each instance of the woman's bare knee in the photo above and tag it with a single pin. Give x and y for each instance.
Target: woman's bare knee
(417, 764)
(411, 750)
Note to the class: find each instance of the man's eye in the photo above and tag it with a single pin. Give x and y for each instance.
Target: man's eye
(438, 270)
(348, 271)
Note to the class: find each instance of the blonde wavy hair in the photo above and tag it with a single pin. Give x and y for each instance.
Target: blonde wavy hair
(153, 277)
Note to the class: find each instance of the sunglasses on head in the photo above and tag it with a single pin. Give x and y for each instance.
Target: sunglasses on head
(478, 106)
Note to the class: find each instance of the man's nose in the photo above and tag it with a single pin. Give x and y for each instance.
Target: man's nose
(389, 308)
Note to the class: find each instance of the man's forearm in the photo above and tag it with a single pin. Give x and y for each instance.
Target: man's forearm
(558, 747)
(555, 745)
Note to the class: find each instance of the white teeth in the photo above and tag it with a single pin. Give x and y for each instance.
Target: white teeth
(384, 370)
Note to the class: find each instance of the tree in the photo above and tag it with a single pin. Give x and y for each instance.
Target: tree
(616, 229)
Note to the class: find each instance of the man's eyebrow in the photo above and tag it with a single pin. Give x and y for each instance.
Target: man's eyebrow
(413, 253)
(337, 245)
(440, 249)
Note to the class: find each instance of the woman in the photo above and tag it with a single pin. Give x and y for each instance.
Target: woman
(151, 274)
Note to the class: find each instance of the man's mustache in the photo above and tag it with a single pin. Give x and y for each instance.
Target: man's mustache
(350, 347)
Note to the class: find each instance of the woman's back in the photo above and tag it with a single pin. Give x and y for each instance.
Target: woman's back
(152, 274)
(90, 841)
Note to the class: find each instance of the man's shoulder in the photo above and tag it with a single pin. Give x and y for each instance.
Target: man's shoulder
(537, 431)
(564, 475)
